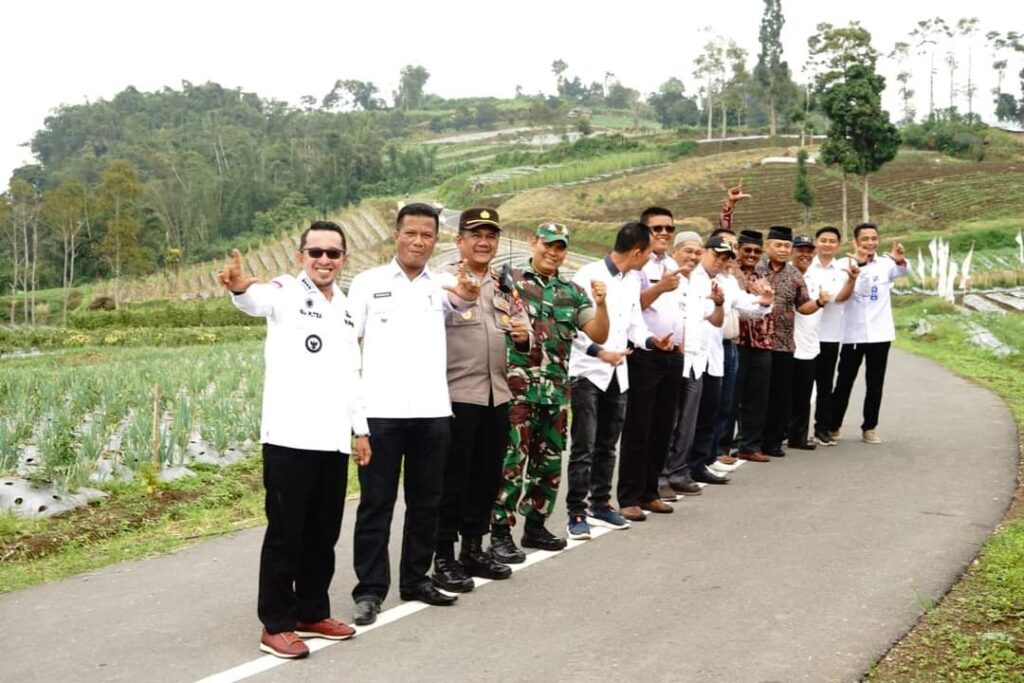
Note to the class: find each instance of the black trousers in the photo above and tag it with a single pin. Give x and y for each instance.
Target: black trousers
(472, 473)
(875, 357)
(596, 426)
(647, 429)
(305, 499)
(803, 383)
(753, 380)
(702, 454)
(422, 443)
(780, 402)
(825, 374)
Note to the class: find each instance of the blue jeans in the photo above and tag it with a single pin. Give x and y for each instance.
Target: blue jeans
(725, 421)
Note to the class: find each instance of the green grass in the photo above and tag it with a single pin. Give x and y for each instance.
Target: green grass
(977, 632)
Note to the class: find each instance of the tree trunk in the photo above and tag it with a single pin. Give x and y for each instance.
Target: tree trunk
(725, 116)
(865, 213)
(931, 87)
(711, 109)
(846, 221)
(771, 117)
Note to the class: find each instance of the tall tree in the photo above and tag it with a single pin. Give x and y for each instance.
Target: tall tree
(736, 86)
(118, 196)
(362, 94)
(24, 232)
(926, 38)
(410, 87)
(802, 193)
(901, 53)
(66, 209)
(710, 70)
(558, 68)
(771, 72)
(968, 28)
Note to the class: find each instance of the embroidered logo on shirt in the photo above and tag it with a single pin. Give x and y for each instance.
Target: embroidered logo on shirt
(309, 303)
(314, 344)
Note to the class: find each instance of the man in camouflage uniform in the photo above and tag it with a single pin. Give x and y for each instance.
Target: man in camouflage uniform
(539, 382)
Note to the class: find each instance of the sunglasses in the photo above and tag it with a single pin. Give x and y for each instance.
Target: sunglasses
(751, 250)
(662, 228)
(317, 252)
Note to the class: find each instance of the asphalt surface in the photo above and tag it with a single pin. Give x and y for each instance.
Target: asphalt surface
(806, 568)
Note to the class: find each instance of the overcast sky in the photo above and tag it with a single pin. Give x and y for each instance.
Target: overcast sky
(69, 52)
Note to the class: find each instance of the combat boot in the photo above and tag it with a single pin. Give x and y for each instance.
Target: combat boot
(503, 548)
(535, 535)
(478, 563)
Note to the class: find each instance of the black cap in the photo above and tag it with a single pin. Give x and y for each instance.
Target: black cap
(751, 237)
(828, 228)
(479, 218)
(780, 232)
(803, 241)
(719, 245)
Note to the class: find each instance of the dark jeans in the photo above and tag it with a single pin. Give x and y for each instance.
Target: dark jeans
(472, 473)
(725, 421)
(423, 444)
(597, 418)
(650, 411)
(675, 470)
(752, 384)
(876, 356)
(780, 405)
(305, 498)
(803, 383)
(704, 452)
(825, 374)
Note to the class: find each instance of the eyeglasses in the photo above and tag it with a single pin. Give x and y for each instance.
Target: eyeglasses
(317, 252)
(662, 228)
(750, 250)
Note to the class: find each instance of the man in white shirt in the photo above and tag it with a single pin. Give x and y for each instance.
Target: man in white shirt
(599, 381)
(830, 332)
(398, 310)
(868, 329)
(306, 437)
(830, 292)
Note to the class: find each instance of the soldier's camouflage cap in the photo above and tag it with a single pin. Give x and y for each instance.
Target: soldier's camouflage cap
(553, 232)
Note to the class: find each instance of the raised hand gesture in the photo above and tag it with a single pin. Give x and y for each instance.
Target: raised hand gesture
(599, 290)
(669, 279)
(736, 193)
(614, 358)
(852, 269)
(897, 252)
(232, 277)
(824, 297)
(716, 295)
(467, 288)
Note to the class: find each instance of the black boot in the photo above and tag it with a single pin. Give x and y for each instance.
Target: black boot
(478, 563)
(503, 548)
(451, 576)
(535, 535)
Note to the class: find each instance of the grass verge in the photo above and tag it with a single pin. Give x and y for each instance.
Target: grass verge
(977, 632)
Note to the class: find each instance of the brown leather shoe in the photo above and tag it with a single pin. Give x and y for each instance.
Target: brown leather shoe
(754, 457)
(328, 628)
(657, 506)
(727, 459)
(286, 645)
(633, 513)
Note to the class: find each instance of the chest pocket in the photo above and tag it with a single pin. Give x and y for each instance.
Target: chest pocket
(565, 323)
(380, 311)
(464, 318)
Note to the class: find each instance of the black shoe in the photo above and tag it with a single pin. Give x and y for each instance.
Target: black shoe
(536, 536)
(774, 452)
(805, 446)
(503, 548)
(451, 576)
(366, 611)
(478, 563)
(425, 592)
(823, 439)
(708, 477)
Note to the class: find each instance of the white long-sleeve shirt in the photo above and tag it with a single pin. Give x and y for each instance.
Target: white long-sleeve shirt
(737, 303)
(311, 393)
(625, 324)
(868, 315)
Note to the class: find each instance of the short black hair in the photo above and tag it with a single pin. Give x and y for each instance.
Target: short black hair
(632, 235)
(329, 226)
(722, 231)
(652, 211)
(418, 209)
(828, 228)
(864, 226)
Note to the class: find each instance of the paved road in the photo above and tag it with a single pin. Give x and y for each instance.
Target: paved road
(806, 568)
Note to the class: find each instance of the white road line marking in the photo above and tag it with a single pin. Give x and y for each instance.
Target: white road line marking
(268, 662)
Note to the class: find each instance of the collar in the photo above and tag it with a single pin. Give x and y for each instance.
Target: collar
(528, 270)
(395, 270)
(311, 288)
(612, 268)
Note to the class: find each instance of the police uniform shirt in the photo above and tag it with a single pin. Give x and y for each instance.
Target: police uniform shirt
(625, 324)
(311, 391)
(665, 314)
(477, 361)
(401, 324)
(868, 315)
(832, 277)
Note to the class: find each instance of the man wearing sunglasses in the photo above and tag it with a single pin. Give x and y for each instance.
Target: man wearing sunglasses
(539, 381)
(398, 310)
(305, 437)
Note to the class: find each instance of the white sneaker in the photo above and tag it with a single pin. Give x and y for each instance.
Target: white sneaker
(721, 467)
(870, 436)
(835, 436)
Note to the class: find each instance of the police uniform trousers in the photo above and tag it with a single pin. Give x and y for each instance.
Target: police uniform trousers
(650, 411)
(305, 499)
(875, 356)
(534, 458)
(421, 445)
(472, 475)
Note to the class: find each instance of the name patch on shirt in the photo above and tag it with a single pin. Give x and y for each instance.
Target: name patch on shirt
(381, 295)
(311, 314)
